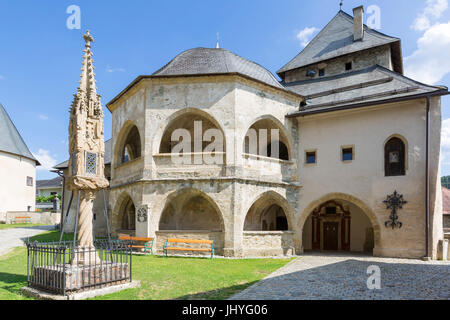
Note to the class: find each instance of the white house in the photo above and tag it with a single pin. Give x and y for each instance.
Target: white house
(17, 169)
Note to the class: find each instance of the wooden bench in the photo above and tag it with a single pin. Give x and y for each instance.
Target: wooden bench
(148, 245)
(171, 240)
(18, 220)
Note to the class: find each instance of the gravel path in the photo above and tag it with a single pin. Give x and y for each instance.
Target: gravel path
(328, 277)
(11, 238)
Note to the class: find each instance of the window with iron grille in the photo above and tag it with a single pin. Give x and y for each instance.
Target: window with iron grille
(91, 163)
(29, 181)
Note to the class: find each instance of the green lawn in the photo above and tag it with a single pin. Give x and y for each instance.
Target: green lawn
(161, 278)
(19, 225)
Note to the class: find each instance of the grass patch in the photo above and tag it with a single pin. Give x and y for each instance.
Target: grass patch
(161, 278)
(19, 225)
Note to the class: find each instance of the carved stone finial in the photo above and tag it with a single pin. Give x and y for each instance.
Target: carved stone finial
(88, 38)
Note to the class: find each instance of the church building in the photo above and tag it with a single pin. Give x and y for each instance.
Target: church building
(342, 154)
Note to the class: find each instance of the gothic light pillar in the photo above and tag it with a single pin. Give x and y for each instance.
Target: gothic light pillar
(86, 148)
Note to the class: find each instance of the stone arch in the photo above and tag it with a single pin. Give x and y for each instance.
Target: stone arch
(129, 138)
(270, 198)
(405, 142)
(345, 197)
(181, 119)
(270, 122)
(182, 200)
(121, 211)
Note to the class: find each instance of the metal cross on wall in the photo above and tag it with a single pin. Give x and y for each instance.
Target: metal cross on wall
(394, 202)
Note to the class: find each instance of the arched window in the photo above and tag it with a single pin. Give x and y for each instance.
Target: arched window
(131, 149)
(394, 157)
(266, 138)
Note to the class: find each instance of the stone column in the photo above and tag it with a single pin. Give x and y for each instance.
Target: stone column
(85, 252)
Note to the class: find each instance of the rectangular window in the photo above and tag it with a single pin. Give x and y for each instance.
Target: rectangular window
(348, 66)
(311, 157)
(29, 181)
(347, 154)
(321, 72)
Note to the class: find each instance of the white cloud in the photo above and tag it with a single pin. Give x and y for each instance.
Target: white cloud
(305, 35)
(43, 117)
(430, 62)
(112, 70)
(46, 160)
(432, 11)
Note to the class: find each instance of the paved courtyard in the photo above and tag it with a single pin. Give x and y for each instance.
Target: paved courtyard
(337, 276)
(15, 237)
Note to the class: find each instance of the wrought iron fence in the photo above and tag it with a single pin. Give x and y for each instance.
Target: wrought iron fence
(63, 267)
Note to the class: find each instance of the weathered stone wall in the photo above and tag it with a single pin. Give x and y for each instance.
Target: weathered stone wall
(360, 60)
(268, 243)
(45, 218)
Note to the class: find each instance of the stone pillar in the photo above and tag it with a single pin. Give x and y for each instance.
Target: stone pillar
(85, 215)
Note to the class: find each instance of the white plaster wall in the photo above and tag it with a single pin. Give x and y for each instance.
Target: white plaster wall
(15, 195)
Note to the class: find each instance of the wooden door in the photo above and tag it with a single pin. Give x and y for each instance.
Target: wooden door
(330, 235)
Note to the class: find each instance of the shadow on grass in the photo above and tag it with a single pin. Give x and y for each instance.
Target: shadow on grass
(51, 236)
(218, 294)
(13, 282)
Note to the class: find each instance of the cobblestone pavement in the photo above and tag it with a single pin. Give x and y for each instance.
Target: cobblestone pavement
(11, 238)
(316, 276)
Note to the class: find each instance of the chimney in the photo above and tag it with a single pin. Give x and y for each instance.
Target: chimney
(358, 23)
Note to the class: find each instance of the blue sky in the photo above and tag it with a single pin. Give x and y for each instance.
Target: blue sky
(40, 59)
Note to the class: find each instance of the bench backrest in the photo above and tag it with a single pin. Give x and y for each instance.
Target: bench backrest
(172, 240)
(135, 238)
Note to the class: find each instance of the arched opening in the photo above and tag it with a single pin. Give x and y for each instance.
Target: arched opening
(268, 139)
(394, 157)
(191, 214)
(129, 145)
(201, 128)
(265, 215)
(126, 222)
(267, 227)
(338, 225)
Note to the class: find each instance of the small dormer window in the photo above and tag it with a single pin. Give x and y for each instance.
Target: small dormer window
(321, 72)
(310, 73)
(348, 66)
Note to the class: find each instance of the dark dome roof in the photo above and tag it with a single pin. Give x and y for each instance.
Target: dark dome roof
(203, 61)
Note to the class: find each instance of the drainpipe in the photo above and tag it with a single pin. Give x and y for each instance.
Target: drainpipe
(61, 174)
(427, 184)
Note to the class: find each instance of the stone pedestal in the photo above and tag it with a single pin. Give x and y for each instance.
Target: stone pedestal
(74, 278)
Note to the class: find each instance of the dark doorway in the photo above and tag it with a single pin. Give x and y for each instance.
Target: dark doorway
(282, 224)
(330, 235)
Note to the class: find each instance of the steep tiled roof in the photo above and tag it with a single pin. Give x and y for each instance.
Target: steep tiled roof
(203, 61)
(53, 183)
(108, 155)
(334, 40)
(370, 85)
(10, 138)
